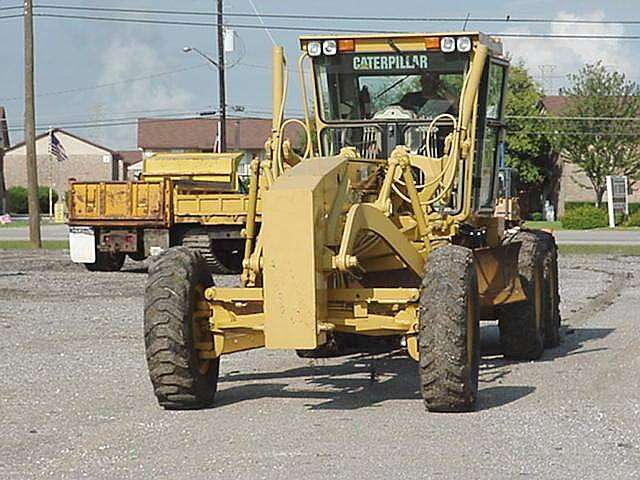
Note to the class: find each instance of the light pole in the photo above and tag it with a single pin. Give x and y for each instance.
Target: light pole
(222, 96)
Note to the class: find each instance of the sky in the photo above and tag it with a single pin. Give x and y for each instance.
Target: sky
(89, 71)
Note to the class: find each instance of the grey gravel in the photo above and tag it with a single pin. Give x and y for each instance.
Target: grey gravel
(76, 402)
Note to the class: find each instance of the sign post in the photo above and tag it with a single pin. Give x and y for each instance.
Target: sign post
(617, 197)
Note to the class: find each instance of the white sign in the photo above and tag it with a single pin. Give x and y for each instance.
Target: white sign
(617, 197)
(229, 40)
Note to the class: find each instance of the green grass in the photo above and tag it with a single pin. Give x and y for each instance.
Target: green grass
(547, 225)
(15, 224)
(598, 249)
(26, 245)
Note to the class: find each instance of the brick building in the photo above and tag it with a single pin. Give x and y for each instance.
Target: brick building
(572, 185)
(86, 161)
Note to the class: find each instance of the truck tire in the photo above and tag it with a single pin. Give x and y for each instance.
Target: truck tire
(521, 324)
(180, 379)
(106, 262)
(199, 241)
(449, 331)
(230, 253)
(137, 256)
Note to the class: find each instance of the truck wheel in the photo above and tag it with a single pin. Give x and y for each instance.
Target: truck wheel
(449, 331)
(199, 241)
(521, 324)
(550, 291)
(230, 254)
(106, 262)
(137, 256)
(181, 380)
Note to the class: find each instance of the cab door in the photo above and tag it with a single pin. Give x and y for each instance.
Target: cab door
(491, 134)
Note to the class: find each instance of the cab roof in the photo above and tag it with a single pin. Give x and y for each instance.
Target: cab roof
(379, 41)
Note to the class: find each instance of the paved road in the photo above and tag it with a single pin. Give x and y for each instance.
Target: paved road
(617, 237)
(612, 237)
(76, 401)
(49, 232)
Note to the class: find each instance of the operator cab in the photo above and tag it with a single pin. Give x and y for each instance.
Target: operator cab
(374, 93)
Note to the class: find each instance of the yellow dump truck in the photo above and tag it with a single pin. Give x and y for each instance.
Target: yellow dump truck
(191, 199)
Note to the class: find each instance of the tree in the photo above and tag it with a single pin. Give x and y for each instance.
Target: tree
(525, 152)
(601, 134)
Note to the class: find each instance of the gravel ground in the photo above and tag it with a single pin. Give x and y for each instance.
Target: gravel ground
(76, 401)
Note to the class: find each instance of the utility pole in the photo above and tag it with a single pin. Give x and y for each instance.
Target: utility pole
(30, 128)
(222, 93)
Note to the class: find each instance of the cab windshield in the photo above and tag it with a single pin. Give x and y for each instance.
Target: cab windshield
(403, 86)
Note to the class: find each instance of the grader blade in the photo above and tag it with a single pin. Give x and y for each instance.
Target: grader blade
(497, 269)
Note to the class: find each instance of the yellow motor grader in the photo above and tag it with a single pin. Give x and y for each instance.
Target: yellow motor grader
(385, 228)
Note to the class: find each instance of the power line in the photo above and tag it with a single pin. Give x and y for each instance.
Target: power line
(320, 29)
(124, 121)
(561, 118)
(110, 84)
(580, 134)
(507, 19)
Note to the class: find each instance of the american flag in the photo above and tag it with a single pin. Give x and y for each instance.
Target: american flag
(56, 149)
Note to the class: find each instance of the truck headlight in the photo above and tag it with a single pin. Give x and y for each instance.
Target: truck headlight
(314, 49)
(330, 47)
(464, 44)
(448, 44)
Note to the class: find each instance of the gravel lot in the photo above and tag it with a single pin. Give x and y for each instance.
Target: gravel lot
(76, 402)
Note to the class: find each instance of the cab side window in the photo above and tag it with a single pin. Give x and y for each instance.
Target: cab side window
(490, 135)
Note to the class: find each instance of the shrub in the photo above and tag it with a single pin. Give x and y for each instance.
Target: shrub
(536, 216)
(584, 218)
(634, 219)
(633, 206)
(43, 199)
(17, 198)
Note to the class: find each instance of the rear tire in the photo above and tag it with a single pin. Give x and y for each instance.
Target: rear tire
(199, 241)
(550, 296)
(180, 379)
(449, 331)
(521, 324)
(106, 262)
(137, 256)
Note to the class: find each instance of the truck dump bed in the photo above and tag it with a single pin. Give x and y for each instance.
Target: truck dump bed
(123, 203)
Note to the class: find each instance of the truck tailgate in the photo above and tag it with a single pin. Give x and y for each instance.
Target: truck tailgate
(122, 202)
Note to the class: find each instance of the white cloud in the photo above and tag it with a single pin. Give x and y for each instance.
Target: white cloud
(569, 55)
(127, 58)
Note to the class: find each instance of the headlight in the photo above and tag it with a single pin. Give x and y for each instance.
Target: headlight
(464, 44)
(330, 47)
(448, 44)
(314, 49)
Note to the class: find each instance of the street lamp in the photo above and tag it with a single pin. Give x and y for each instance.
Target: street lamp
(222, 96)
(201, 53)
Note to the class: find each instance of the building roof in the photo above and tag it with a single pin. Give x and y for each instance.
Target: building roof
(554, 104)
(130, 157)
(56, 130)
(4, 130)
(200, 133)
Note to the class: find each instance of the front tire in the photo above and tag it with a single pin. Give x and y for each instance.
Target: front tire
(449, 331)
(180, 379)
